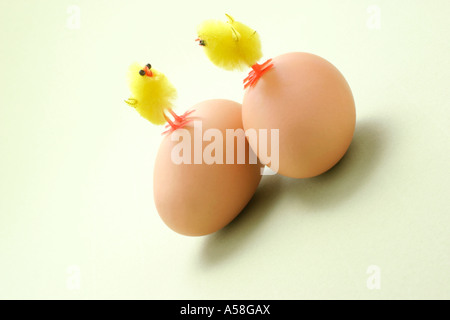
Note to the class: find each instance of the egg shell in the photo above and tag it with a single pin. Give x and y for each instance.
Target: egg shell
(311, 103)
(199, 199)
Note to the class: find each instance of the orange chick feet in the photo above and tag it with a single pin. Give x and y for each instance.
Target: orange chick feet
(178, 122)
(256, 73)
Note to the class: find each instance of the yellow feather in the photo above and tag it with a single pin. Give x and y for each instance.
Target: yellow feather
(150, 96)
(230, 45)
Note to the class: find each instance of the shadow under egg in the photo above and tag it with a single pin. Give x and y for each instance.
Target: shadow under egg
(223, 243)
(348, 175)
(320, 193)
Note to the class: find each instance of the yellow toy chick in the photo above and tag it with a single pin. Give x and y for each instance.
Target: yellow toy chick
(232, 45)
(152, 95)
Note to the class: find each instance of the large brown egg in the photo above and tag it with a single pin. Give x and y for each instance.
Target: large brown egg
(204, 175)
(310, 102)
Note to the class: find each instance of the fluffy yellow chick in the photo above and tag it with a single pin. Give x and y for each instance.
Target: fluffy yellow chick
(232, 45)
(152, 95)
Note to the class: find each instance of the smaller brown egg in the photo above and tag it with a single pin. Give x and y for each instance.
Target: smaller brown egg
(204, 175)
(311, 105)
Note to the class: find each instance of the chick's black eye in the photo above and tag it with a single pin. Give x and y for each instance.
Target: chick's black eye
(202, 43)
(141, 72)
(149, 65)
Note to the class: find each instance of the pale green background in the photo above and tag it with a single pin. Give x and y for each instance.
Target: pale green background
(76, 162)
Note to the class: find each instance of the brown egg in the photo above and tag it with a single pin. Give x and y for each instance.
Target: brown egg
(310, 102)
(204, 178)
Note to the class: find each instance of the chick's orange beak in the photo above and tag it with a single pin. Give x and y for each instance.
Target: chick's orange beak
(148, 72)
